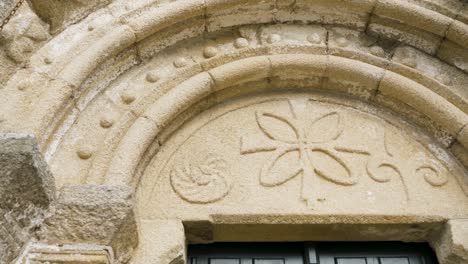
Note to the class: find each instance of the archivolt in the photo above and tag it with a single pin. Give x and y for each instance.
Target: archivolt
(68, 72)
(374, 79)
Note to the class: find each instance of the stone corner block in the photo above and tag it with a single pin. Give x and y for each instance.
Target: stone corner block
(94, 214)
(26, 192)
(452, 245)
(24, 174)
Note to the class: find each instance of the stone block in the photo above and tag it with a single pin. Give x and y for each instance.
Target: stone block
(452, 245)
(453, 54)
(91, 214)
(162, 241)
(26, 191)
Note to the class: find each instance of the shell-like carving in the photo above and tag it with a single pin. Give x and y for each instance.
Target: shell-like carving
(205, 183)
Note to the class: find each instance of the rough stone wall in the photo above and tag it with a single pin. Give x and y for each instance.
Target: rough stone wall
(30, 212)
(27, 191)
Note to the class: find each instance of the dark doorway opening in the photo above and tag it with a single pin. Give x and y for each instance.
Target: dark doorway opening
(312, 253)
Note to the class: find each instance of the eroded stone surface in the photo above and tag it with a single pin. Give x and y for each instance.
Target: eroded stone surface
(161, 241)
(452, 245)
(141, 94)
(92, 214)
(61, 14)
(38, 253)
(26, 192)
(5, 7)
(20, 38)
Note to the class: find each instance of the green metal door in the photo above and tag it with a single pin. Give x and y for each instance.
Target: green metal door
(247, 253)
(370, 253)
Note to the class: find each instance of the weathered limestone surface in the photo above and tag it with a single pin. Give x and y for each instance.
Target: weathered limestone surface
(89, 214)
(26, 193)
(292, 154)
(38, 253)
(60, 14)
(19, 39)
(452, 245)
(161, 241)
(5, 8)
(239, 120)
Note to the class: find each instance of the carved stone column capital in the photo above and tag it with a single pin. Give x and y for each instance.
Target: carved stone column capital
(92, 214)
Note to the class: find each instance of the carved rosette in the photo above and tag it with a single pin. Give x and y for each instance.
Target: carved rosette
(201, 183)
(301, 139)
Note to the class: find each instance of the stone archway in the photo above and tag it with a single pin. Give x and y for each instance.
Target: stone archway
(110, 96)
(226, 180)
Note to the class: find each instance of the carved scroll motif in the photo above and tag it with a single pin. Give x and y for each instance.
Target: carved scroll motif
(203, 183)
(418, 164)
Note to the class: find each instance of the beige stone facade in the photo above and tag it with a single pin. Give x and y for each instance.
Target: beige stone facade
(130, 129)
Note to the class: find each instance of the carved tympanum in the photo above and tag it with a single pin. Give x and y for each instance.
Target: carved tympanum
(267, 153)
